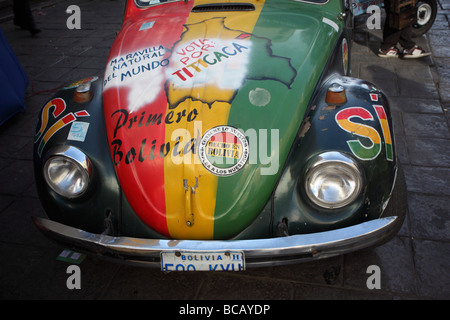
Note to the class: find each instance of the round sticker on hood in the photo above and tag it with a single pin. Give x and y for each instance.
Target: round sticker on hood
(223, 150)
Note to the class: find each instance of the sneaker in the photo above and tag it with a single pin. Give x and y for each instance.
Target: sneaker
(392, 52)
(415, 52)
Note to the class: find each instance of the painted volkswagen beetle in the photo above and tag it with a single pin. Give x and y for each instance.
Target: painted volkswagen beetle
(223, 135)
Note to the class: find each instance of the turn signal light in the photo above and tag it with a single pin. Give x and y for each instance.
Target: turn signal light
(336, 94)
(83, 93)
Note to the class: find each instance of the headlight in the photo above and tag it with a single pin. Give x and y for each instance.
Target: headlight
(68, 171)
(333, 180)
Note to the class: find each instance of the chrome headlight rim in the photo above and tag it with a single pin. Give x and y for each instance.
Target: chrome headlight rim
(339, 162)
(73, 157)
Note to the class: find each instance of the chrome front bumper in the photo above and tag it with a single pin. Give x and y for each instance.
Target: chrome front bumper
(258, 252)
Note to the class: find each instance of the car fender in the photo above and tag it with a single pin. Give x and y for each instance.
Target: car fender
(65, 122)
(359, 126)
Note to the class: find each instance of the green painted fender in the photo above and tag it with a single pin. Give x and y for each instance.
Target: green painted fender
(361, 127)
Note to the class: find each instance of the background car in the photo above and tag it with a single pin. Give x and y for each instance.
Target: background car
(426, 13)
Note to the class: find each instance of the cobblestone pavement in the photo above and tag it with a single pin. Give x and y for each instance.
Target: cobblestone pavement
(414, 265)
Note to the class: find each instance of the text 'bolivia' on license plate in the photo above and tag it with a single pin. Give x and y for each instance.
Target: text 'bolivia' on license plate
(202, 261)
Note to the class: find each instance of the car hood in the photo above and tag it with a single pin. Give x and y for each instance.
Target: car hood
(202, 108)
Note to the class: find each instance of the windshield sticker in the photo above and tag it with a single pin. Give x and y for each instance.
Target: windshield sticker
(223, 150)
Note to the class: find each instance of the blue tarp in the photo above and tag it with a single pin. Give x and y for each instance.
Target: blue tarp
(13, 82)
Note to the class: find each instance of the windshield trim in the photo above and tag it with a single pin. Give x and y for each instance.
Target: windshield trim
(155, 4)
(318, 2)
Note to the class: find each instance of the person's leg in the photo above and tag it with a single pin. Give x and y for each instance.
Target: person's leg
(391, 36)
(23, 16)
(410, 48)
(19, 13)
(406, 38)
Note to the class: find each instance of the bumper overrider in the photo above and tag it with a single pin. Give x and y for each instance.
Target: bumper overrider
(257, 252)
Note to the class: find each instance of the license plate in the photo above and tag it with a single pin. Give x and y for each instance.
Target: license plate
(202, 261)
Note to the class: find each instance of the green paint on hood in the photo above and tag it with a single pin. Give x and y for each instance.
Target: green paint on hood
(289, 53)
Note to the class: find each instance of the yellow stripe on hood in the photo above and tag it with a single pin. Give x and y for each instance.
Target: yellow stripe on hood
(197, 106)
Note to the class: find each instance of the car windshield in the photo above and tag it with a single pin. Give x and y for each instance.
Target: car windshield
(147, 3)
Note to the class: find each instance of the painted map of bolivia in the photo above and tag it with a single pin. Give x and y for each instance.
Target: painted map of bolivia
(203, 67)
